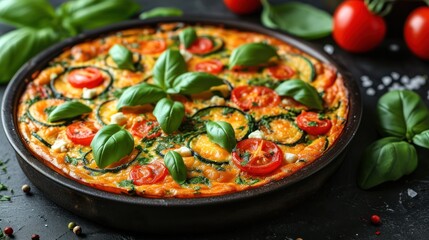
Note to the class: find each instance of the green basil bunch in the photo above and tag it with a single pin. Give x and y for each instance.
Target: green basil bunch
(403, 118)
(252, 54)
(68, 110)
(161, 12)
(40, 26)
(221, 133)
(302, 92)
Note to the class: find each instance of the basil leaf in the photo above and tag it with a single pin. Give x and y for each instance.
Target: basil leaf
(187, 37)
(161, 12)
(169, 114)
(302, 92)
(111, 144)
(27, 13)
(168, 66)
(402, 114)
(90, 14)
(299, 19)
(139, 95)
(68, 110)
(194, 82)
(387, 159)
(252, 54)
(221, 133)
(122, 57)
(422, 139)
(175, 165)
(18, 46)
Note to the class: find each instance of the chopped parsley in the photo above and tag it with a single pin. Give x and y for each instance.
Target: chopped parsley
(198, 180)
(246, 157)
(72, 160)
(143, 160)
(127, 184)
(312, 124)
(243, 181)
(227, 111)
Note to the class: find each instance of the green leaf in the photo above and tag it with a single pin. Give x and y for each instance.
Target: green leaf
(68, 110)
(27, 13)
(302, 92)
(161, 12)
(387, 159)
(422, 139)
(402, 114)
(19, 46)
(91, 14)
(111, 144)
(187, 36)
(175, 165)
(122, 57)
(194, 82)
(168, 66)
(169, 114)
(299, 19)
(139, 95)
(252, 54)
(221, 133)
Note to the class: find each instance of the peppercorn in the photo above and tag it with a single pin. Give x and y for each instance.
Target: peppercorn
(8, 231)
(25, 188)
(35, 237)
(375, 219)
(71, 225)
(77, 230)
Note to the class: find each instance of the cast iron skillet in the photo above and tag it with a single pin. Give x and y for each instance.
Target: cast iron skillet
(173, 215)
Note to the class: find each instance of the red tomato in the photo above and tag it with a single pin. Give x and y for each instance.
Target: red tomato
(416, 32)
(243, 6)
(247, 97)
(257, 156)
(153, 46)
(85, 77)
(146, 129)
(356, 29)
(310, 123)
(281, 72)
(148, 174)
(201, 45)
(81, 132)
(209, 66)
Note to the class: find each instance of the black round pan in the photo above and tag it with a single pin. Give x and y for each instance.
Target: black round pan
(174, 215)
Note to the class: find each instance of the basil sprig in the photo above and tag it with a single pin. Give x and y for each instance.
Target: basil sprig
(140, 94)
(252, 54)
(302, 92)
(221, 133)
(422, 139)
(176, 167)
(168, 67)
(27, 13)
(313, 23)
(161, 12)
(111, 144)
(194, 82)
(122, 56)
(68, 110)
(188, 36)
(169, 114)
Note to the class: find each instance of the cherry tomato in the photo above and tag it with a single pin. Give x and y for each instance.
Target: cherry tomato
(201, 45)
(247, 97)
(310, 123)
(85, 77)
(81, 132)
(257, 156)
(243, 6)
(209, 66)
(416, 32)
(153, 46)
(148, 174)
(356, 29)
(146, 129)
(281, 72)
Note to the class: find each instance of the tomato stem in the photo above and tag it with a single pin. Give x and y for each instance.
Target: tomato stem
(380, 7)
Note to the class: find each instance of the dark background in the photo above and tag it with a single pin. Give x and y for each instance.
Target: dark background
(340, 210)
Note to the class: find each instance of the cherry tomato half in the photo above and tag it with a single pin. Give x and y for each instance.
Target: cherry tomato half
(257, 156)
(148, 174)
(201, 45)
(153, 46)
(310, 123)
(281, 72)
(243, 6)
(416, 32)
(85, 77)
(247, 97)
(209, 66)
(81, 132)
(146, 129)
(356, 29)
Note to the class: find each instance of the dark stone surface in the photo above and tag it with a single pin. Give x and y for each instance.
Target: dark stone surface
(340, 210)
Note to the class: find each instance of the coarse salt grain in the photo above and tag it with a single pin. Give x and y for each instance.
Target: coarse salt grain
(396, 86)
(411, 193)
(364, 78)
(394, 47)
(386, 80)
(405, 79)
(380, 87)
(395, 75)
(367, 83)
(370, 92)
(329, 48)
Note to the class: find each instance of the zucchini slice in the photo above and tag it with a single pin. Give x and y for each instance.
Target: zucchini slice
(89, 162)
(41, 139)
(218, 45)
(105, 110)
(303, 67)
(62, 88)
(39, 111)
(240, 121)
(207, 151)
(281, 129)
